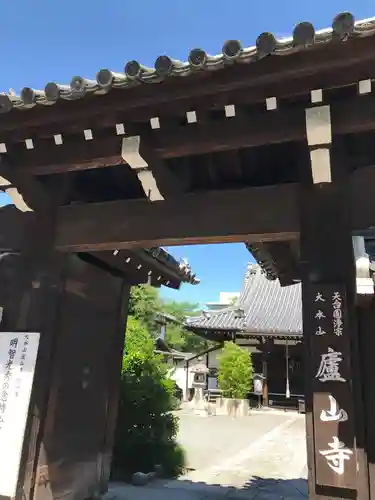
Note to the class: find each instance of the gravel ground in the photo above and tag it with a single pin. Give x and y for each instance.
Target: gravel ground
(260, 457)
(234, 451)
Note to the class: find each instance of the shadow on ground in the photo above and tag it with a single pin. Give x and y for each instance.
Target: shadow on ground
(257, 488)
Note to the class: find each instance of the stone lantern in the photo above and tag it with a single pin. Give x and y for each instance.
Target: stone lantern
(200, 372)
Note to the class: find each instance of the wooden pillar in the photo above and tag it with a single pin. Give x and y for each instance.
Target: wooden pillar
(265, 374)
(366, 312)
(31, 306)
(187, 381)
(31, 302)
(115, 384)
(287, 385)
(336, 463)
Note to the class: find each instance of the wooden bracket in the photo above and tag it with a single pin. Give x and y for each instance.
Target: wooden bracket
(157, 180)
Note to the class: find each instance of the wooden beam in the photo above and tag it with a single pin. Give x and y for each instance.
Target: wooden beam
(263, 214)
(13, 225)
(332, 65)
(74, 154)
(77, 154)
(252, 215)
(227, 216)
(285, 125)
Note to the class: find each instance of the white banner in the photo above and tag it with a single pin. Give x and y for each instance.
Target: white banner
(18, 352)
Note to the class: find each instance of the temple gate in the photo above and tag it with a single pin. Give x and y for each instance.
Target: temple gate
(277, 153)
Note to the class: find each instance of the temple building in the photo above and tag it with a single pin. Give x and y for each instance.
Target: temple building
(267, 320)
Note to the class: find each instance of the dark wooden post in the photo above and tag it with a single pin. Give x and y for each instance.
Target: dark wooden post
(117, 352)
(31, 305)
(337, 465)
(366, 312)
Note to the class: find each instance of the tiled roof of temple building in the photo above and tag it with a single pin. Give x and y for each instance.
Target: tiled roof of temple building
(304, 38)
(264, 306)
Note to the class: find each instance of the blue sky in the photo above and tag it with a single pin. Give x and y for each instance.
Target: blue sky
(43, 41)
(220, 268)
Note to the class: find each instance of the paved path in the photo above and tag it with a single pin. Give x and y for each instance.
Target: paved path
(261, 457)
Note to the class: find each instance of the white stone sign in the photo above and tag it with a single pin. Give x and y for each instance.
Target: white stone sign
(18, 352)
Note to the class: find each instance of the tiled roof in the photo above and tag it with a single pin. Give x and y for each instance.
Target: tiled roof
(268, 308)
(304, 35)
(182, 268)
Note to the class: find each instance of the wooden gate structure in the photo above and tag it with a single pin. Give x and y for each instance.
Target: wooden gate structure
(272, 143)
(81, 308)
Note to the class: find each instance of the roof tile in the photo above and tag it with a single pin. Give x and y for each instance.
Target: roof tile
(304, 35)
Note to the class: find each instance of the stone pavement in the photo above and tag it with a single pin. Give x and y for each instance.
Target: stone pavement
(260, 457)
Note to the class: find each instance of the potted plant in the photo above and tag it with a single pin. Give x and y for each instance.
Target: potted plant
(235, 373)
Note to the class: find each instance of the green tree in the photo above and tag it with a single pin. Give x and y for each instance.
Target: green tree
(146, 428)
(176, 335)
(180, 310)
(144, 305)
(235, 371)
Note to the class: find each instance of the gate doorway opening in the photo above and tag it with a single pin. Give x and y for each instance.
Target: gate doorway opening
(235, 446)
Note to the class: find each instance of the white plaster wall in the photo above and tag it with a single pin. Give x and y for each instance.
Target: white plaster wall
(178, 374)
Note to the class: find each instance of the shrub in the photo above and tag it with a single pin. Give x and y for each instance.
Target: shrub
(146, 429)
(235, 371)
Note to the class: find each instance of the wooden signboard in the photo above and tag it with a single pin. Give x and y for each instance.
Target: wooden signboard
(333, 415)
(18, 352)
